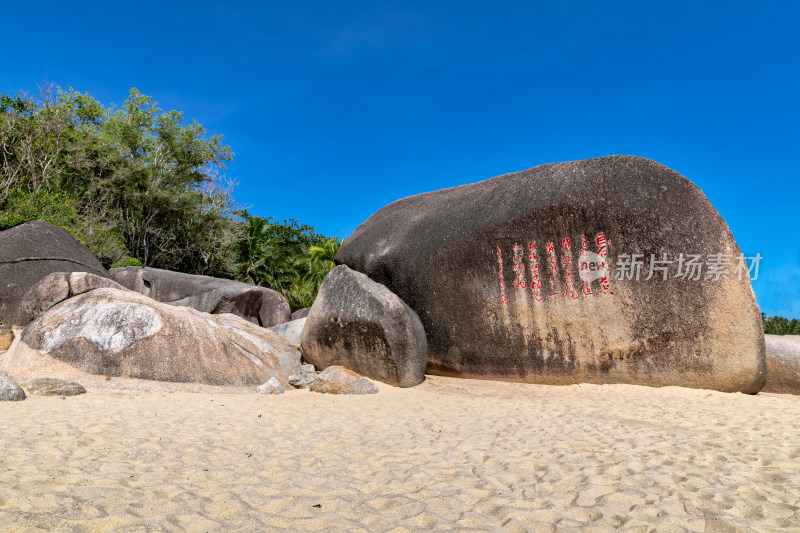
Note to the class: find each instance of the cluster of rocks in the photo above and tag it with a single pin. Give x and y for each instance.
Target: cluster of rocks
(512, 278)
(301, 380)
(11, 391)
(333, 380)
(144, 324)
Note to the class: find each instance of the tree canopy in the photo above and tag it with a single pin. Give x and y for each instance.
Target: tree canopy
(777, 325)
(138, 185)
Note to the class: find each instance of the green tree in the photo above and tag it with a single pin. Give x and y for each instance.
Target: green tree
(135, 171)
(321, 258)
(252, 253)
(170, 204)
(777, 325)
(138, 186)
(290, 258)
(60, 209)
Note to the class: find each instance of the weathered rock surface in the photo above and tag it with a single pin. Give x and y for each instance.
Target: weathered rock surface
(272, 386)
(300, 313)
(6, 338)
(361, 325)
(306, 377)
(267, 343)
(111, 332)
(303, 381)
(10, 391)
(498, 273)
(59, 286)
(274, 308)
(783, 364)
(340, 380)
(258, 305)
(28, 253)
(54, 387)
(291, 331)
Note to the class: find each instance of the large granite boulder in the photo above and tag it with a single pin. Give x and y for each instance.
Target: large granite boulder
(119, 333)
(258, 305)
(361, 325)
(531, 276)
(28, 253)
(783, 363)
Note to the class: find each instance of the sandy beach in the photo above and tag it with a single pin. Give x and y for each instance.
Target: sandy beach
(447, 455)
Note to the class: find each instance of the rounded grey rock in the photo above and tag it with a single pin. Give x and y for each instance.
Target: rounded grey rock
(10, 391)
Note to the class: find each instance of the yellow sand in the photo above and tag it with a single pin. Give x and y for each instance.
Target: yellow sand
(447, 455)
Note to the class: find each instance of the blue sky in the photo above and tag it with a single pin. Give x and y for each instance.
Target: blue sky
(336, 109)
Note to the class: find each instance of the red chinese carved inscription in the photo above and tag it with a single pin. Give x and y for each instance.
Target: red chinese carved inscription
(591, 266)
(503, 298)
(533, 265)
(602, 253)
(519, 268)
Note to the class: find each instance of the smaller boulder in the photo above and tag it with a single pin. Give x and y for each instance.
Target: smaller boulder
(258, 305)
(54, 387)
(10, 391)
(783, 364)
(59, 286)
(274, 308)
(303, 381)
(81, 282)
(308, 369)
(273, 386)
(50, 290)
(339, 380)
(291, 331)
(360, 324)
(300, 313)
(6, 338)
